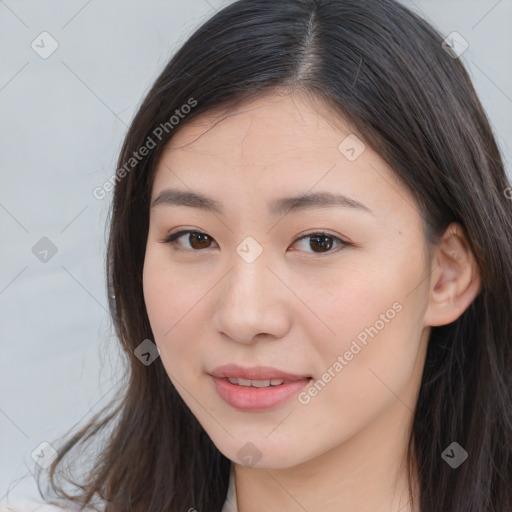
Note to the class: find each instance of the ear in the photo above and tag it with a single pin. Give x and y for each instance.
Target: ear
(455, 278)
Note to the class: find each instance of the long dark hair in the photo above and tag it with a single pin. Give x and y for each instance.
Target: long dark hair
(384, 69)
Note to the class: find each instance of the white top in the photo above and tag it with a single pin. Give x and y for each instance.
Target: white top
(230, 504)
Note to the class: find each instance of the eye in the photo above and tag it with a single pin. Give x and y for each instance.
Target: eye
(323, 241)
(198, 240)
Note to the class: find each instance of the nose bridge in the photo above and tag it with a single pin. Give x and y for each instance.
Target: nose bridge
(247, 264)
(248, 260)
(250, 274)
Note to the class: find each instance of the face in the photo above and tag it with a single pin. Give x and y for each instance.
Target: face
(331, 290)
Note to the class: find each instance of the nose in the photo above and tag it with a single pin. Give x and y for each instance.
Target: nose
(251, 301)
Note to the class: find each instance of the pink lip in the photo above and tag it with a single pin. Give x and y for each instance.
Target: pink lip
(254, 399)
(255, 373)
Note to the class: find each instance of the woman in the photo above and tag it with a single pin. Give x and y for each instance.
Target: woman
(310, 272)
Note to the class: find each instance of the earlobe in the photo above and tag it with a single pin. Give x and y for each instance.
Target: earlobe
(455, 279)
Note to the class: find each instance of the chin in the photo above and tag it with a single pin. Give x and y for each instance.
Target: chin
(263, 454)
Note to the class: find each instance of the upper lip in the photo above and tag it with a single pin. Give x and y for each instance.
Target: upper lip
(254, 373)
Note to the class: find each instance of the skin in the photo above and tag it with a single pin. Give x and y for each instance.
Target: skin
(297, 307)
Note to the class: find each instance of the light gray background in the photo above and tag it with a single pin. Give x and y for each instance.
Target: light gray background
(62, 120)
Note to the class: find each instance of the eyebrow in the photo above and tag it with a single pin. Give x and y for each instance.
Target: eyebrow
(280, 206)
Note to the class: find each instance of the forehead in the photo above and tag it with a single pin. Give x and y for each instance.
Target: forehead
(280, 144)
(271, 124)
(282, 135)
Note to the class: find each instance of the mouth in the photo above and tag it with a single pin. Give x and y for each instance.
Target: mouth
(255, 374)
(256, 389)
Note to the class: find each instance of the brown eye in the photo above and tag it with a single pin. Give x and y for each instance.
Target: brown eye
(322, 242)
(196, 239)
(325, 243)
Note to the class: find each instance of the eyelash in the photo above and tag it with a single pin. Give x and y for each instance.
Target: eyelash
(172, 240)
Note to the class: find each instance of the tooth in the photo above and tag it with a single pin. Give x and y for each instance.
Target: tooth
(255, 383)
(260, 383)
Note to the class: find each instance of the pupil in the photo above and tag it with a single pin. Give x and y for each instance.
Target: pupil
(324, 242)
(198, 236)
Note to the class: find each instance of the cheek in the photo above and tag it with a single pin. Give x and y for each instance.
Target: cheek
(375, 324)
(156, 294)
(349, 304)
(166, 302)
(178, 322)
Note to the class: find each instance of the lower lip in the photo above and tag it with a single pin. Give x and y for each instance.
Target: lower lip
(247, 398)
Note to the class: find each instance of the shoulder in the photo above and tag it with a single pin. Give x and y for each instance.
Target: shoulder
(34, 506)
